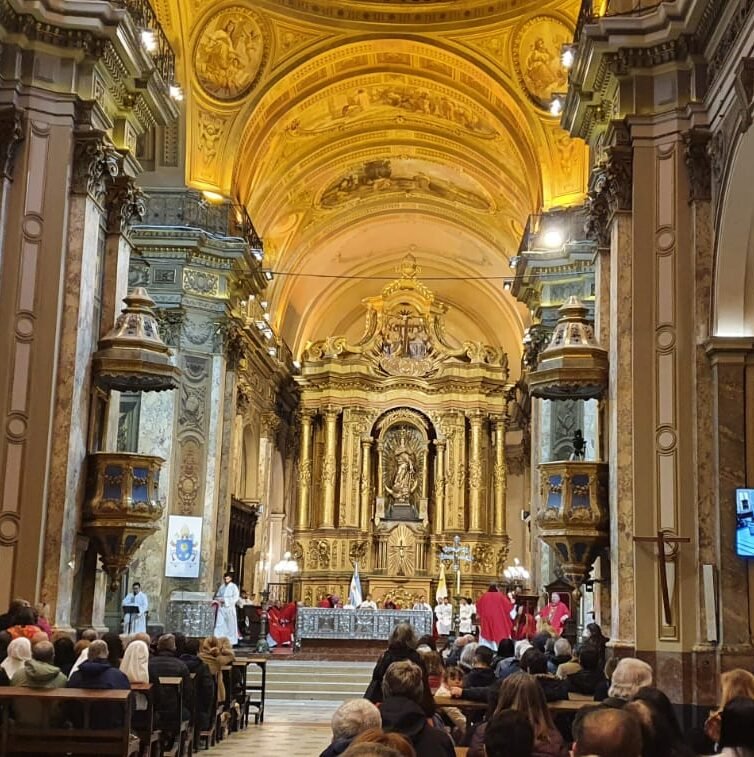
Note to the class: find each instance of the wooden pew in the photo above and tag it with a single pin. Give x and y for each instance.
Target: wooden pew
(85, 740)
(563, 705)
(261, 690)
(183, 746)
(143, 721)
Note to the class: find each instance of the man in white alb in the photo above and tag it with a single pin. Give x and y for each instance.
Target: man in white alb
(368, 604)
(226, 623)
(135, 622)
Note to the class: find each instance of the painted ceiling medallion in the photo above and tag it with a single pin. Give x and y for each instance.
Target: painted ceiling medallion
(230, 53)
(536, 56)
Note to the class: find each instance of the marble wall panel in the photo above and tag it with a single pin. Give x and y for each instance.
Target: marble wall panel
(72, 402)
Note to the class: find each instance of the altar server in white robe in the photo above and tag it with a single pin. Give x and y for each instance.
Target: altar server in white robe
(226, 623)
(136, 622)
(444, 614)
(465, 614)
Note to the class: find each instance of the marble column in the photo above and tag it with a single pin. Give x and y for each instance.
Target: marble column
(476, 505)
(329, 464)
(500, 477)
(439, 513)
(732, 394)
(365, 485)
(303, 513)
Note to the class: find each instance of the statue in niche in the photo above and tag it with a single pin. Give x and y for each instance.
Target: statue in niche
(405, 480)
(403, 474)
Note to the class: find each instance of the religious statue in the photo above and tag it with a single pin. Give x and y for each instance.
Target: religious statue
(579, 446)
(405, 479)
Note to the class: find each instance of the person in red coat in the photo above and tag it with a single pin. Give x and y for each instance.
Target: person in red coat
(493, 610)
(282, 622)
(524, 626)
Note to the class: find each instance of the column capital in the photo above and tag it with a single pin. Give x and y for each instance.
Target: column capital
(698, 164)
(96, 163)
(11, 136)
(126, 204)
(476, 417)
(330, 412)
(440, 443)
(366, 440)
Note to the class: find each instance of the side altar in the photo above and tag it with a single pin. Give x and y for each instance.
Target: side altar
(402, 446)
(359, 625)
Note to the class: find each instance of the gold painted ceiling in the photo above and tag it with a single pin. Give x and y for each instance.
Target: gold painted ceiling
(357, 131)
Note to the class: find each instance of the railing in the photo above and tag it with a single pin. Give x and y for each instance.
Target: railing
(189, 208)
(568, 225)
(146, 20)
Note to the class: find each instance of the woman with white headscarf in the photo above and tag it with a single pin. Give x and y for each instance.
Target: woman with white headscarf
(135, 665)
(19, 650)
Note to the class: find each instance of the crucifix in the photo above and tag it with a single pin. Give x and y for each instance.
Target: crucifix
(662, 539)
(454, 555)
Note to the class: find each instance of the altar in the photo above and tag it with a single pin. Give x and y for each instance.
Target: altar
(360, 625)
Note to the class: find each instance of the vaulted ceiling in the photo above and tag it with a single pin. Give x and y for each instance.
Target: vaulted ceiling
(356, 131)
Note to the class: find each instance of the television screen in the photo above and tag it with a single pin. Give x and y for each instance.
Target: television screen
(745, 522)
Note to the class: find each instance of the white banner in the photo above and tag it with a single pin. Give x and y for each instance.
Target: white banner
(182, 557)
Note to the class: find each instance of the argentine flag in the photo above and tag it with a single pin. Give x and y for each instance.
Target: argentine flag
(354, 592)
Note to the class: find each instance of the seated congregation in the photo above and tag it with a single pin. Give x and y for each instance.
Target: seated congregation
(131, 693)
(537, 698)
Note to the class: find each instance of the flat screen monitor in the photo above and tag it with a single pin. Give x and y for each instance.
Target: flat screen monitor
(745, 522)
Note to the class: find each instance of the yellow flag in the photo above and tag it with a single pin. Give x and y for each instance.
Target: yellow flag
(442, 587)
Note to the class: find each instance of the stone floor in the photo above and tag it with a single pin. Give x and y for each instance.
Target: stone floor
(291, 729)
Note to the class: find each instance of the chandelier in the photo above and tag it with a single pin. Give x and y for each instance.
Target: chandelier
(516, 573)
(286, 567)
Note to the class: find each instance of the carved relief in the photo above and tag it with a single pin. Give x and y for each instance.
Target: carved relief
(230, 53)
(475, 474)
(210, 130)
(11, 136)
(381, 177)
(401, 552)
(95, 164)
(189, 477)
(318, 555)
(483, 557)
(200, 282)
(358, 550)
(536, 57)
(698, 164)
(126, 205)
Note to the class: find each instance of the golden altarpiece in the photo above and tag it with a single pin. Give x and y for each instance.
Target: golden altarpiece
(402, 447)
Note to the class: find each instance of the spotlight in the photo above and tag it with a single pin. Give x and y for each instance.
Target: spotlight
(513, 262)
(268, 275)
(553, 238)
(567, 57)
(149, 40)
(556, 106)
(507, 285)
(297, 365)
(176, 92)
(258, 254)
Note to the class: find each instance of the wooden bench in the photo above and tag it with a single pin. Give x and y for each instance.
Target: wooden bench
(261, 690)
(143, 721)
(85, 740)
(183, 745)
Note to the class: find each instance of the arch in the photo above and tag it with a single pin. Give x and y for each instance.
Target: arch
(733, 303)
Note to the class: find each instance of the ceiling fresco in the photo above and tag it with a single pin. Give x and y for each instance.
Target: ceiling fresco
(357, 130)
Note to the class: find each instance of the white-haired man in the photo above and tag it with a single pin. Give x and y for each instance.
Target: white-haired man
(348, 721)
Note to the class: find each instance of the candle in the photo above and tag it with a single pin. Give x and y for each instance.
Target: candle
(458, 581)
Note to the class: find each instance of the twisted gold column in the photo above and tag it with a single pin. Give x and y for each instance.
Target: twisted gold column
(303, 510)
(365, 483)
(500, 477)
(439, 518)
(329, 465)
(476, 514)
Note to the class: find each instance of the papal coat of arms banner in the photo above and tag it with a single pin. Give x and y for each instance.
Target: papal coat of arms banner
(182, 557)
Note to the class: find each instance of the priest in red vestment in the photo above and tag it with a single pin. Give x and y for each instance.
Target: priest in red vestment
(555, 614)
(493, 609)
(281, 619)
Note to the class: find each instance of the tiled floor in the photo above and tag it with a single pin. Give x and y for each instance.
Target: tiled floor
(291, 729)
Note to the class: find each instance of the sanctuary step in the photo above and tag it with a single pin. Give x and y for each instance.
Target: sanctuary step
(332, 681)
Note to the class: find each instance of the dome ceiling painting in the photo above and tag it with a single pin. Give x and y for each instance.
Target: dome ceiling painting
(355, 132)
